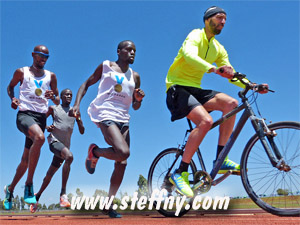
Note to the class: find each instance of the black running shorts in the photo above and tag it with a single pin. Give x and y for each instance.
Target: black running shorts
(26, 119)
(56, 147)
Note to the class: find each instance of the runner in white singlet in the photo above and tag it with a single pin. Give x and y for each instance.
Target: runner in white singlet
(119, 88)
(37, 86)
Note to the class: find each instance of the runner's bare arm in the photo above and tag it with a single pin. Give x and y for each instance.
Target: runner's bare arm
(80, 125)
(95, 77)
(138, 93)
(17, 77)
(53, 93)
(50, 111)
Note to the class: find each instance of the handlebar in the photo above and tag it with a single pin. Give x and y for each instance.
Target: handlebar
(256, 87)
(249, 85)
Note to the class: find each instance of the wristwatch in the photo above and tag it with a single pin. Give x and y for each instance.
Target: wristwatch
(54, 97)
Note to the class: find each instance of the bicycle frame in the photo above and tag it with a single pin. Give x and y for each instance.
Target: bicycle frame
(262, 182)
(258, 126)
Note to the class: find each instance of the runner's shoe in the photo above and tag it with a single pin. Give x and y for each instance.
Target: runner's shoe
(29, 196)
(64, 202)
(91, 160)
(181, 181)
(7, 202)
(112, 213)
(34, 207)
(229, 165)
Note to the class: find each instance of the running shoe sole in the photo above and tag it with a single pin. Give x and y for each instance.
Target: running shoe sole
(88, 161)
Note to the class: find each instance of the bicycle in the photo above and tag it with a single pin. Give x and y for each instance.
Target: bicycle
(270, 161)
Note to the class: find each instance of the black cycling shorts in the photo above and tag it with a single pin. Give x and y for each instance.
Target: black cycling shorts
(182, 99)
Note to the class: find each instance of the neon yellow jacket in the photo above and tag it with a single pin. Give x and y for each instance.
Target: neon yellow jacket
(195, 57)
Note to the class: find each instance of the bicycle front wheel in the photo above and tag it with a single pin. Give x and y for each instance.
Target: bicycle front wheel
(158, 178)
(274, 190)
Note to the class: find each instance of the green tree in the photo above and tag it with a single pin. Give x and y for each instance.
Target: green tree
(22, 203)
(15, 202)
(284, 192)
(18, 203)
(70, 196)
(123, 194)
(100, 193)
(57, 206)
(143, 187)
(44, 207)
(79, 193)
(51, 207)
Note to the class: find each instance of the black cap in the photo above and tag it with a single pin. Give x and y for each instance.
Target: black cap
(211, 11)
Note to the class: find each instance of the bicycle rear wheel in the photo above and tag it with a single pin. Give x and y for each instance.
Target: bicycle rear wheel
(158, 178)
(274, 190)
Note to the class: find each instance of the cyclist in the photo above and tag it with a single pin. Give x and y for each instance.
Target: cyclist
(119, 88)
(185, 97)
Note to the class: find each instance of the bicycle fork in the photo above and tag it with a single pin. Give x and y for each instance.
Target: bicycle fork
(263, 131)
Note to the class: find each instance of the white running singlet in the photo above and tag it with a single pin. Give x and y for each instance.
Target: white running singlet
(31, 98)
(114, 96)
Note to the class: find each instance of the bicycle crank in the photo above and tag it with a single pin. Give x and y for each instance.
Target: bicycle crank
(202, 182)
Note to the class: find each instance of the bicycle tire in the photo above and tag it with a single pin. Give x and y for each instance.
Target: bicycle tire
(263, 182)
(158, 179)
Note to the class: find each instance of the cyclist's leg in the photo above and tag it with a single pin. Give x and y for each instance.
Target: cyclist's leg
(181, 102)
(224, 103)
(203, 121)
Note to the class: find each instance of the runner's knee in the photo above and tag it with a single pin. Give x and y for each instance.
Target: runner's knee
(39, 138)
(124, 155)
(123, 152)
(121, 164)
(56, 162)
(69, 158)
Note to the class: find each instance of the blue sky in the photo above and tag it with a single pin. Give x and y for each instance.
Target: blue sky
(261, 37)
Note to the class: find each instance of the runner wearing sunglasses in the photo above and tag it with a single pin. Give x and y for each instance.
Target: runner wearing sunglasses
(37, 86)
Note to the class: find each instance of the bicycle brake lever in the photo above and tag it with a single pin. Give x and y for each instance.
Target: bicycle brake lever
(261, 87)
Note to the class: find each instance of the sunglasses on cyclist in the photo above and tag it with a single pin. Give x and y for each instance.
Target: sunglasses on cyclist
(42, 55)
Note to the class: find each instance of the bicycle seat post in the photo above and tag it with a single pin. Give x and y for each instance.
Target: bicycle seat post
(190, 125)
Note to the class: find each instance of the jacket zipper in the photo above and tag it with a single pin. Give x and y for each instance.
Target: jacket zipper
(207, 50)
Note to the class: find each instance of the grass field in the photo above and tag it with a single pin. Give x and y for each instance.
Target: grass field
(278, 201)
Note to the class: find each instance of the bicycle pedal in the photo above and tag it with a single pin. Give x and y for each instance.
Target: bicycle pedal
(238, 173)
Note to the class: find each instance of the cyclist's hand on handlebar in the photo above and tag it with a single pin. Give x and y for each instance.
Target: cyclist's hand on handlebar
(225, 71)
(261, 88)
